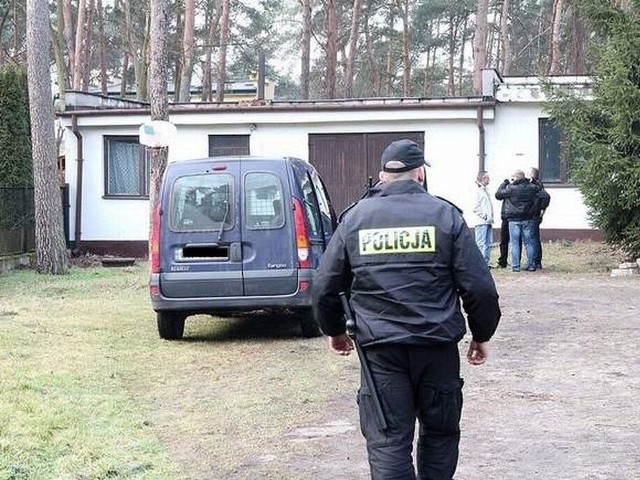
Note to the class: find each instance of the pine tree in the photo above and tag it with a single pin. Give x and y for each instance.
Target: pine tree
(603, 133)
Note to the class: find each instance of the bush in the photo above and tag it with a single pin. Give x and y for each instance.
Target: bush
(16, 168)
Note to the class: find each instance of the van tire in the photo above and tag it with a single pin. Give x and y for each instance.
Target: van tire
(170, 325)
(310, 328)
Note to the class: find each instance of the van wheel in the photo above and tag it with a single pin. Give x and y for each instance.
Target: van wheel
(310, 328)
(170, 325)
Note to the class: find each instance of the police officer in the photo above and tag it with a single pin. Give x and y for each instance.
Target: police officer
(407, 258)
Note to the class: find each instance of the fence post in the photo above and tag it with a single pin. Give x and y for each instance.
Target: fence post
(23, 225)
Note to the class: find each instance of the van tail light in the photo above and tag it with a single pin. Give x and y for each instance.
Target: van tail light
(302, 239)
(154, 241)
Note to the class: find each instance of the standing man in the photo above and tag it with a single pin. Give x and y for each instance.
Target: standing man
(504, 236)
(407, 258)
(540, 206)
(483, 210)
(519, 196)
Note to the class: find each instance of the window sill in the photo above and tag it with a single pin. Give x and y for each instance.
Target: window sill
(548, 185)
(125, 197)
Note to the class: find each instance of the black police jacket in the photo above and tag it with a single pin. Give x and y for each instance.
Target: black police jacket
(407, 258)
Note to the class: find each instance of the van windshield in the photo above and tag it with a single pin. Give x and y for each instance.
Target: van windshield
(202, 202)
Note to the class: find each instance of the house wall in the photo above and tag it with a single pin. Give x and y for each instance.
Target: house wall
(512, 143)
(451, 145)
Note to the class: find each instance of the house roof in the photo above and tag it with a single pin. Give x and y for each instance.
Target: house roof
(98, 107)
(496, 89)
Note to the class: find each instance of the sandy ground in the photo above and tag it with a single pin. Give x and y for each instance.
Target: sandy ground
(558, 398)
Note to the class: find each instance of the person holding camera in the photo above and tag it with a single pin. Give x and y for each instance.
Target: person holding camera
(520, 196)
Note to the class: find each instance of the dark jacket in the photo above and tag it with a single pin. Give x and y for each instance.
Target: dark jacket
(519, 199)
(542, 199)
(407, 258)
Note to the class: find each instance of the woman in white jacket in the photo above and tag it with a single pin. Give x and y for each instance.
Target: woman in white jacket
(483, 210)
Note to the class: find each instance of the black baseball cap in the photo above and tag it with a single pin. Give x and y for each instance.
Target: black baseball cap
(404, 151)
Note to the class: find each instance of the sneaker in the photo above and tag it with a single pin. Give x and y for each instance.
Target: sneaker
(500, 265)
(530, 269)
(515, 269)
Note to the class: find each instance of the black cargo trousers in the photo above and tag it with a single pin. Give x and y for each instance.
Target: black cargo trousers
(413, 382)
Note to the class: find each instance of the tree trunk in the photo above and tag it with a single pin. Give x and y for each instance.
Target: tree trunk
(430, 60)
(51, 252)
(426, 83)
(222, 53)
(131, 47)
(142, 80)
(373, 64)
(125, 70)
(480, 45)
(463, 43)
(58, 50)
(81, 40)
(353, 45)
(307, 11)
(68, 36)
(406, 48)
(579, 41)
(158, 97)
(214, 19)
(138, 52)
(88, 50)
(187, 55)
(332, 48)
(505, 60)
(177, 66)
(103, 58)
(390, 76)
(556, 37)
(453, 33)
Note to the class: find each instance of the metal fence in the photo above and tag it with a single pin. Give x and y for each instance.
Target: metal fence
(17, 219)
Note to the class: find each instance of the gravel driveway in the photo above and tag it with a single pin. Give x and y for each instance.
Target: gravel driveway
(558, 398)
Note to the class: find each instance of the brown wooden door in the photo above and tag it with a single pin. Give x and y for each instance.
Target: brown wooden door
(347, 160)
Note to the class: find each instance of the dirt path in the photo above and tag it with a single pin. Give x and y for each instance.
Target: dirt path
(557, 400)
(560, 396)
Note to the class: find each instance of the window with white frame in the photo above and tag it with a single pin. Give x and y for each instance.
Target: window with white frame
(126, 167)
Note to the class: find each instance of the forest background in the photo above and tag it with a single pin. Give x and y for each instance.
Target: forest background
(312, 48)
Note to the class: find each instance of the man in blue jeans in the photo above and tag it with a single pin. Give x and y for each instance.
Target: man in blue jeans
(542, 202)
(483, 210)
(520, 197)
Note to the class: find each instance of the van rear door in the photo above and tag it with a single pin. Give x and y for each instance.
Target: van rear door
(201, 253)
(268, 236)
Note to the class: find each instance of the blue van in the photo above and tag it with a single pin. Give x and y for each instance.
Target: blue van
(233, 234)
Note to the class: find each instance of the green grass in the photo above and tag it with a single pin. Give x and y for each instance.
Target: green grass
(573, 257)
(65, 409)
(88, 391)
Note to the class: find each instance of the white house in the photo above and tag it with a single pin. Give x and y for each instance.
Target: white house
(504, 129)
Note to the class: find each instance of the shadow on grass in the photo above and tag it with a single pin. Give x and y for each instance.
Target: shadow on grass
(252, 327)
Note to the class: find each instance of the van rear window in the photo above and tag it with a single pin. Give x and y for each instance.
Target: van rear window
(202, 202)
(263, 201)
